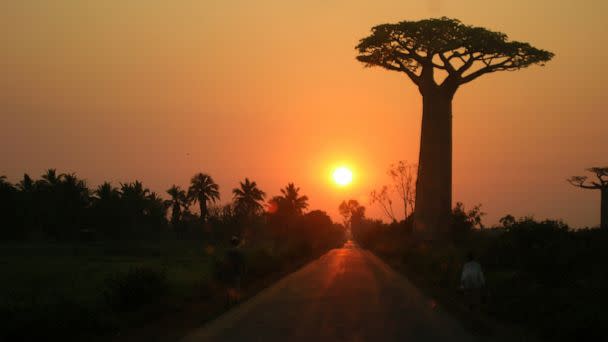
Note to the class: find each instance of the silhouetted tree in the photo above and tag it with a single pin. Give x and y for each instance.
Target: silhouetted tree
(133, 199)
(155, 211)
(352, 212)
(318, 231)
(464, 221)
(248, 199)
(403, 174)
(427, 51)
(354, 218)
(507, 221)
(51, 178)
(28, 205)
(73, 201)
(284, 211)
(107, 210)
(601, 173)
(178, 200)
(203, 189)
(9, 224)
(290, 203)
(383, 198)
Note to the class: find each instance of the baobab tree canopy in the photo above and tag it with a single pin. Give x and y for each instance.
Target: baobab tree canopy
(464, 52)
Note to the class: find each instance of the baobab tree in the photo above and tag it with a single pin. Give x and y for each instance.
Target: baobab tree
(601, 173)
(439, 56)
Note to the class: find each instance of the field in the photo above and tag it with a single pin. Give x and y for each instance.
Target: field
(100, 289)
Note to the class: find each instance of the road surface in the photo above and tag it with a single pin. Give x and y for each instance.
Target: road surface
(346, 295)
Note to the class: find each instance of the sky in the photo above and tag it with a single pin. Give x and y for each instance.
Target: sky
(270, 89)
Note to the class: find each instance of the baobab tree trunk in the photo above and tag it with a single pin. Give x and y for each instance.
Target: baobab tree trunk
(604, 208)
(434, 183)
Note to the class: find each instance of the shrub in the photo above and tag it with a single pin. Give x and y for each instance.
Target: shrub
(135, 288)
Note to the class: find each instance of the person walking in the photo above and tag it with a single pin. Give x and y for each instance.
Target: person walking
(472, 282)
(234, 267)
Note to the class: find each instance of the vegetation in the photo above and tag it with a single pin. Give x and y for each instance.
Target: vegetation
(541, 275)
(78, 262)
(202, 190)
(439, 56)
(601, 174)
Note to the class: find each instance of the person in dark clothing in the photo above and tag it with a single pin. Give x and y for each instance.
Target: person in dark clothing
(234, 268)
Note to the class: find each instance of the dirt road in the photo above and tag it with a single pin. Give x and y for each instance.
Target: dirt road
(346, 295)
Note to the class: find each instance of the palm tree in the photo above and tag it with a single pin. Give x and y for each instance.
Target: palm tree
(52, 178)
(106, 193)
(74, 189)
(73, 199)
(248, 198)
(27, 184)
(133, 199)
(290, 202)
(203, 189)
(177, 201)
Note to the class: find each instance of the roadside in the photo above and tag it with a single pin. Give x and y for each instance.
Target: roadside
(450, 298)
(176, 323)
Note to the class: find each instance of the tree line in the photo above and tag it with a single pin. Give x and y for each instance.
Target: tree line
(60, 206)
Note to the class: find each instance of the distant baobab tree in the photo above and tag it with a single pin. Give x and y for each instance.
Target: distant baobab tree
(601, 184)
(440, 55)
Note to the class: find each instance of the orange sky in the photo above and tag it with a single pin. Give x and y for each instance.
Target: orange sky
(119, 90)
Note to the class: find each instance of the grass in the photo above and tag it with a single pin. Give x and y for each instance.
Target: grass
(124, 291)
(58, 289)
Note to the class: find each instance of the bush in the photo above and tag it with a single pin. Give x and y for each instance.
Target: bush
(135, 288)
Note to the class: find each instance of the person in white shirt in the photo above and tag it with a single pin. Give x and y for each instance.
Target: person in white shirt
(472, 282)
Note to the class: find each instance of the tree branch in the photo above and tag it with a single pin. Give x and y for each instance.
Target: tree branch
(579, 181)
(485, 70)
(446, 62)
(402, 67)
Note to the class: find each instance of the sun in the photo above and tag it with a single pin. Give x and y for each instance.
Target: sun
(343, 176)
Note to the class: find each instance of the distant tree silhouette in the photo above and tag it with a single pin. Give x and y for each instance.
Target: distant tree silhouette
(51, 178)
(179, 200)
(383, 198)
(353, 215)
(425, 51)
(155, 211)
(248, 199)
(143, 208)
(290, 203)
(9, 224)
(133, 198)
(60, 206)
(107, 210)
(507, 221)
(464, 221)
(74, 199)
(203, 189)
(29, 202)
(105, 192)
(601, 173)
(352, 212)
(403, 175)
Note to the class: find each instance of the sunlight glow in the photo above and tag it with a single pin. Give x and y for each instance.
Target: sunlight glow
(343, 176)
